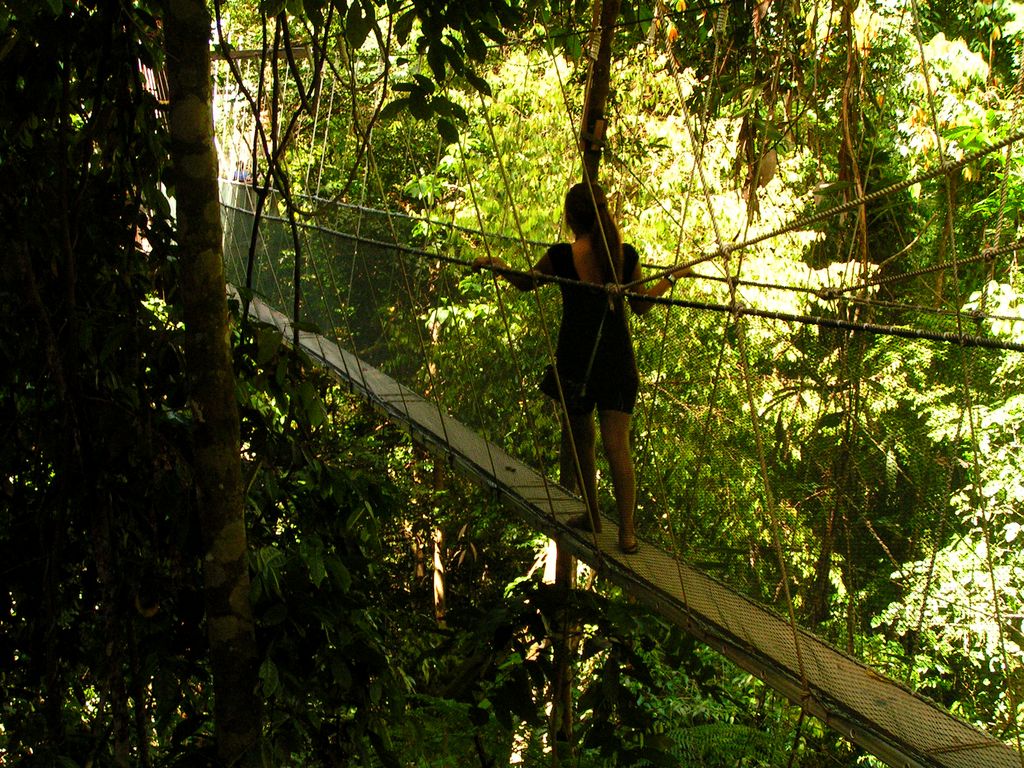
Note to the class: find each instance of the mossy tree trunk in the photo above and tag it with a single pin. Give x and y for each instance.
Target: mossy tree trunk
(230, 629)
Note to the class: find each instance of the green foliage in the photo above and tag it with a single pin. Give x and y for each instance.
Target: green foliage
(327, 680)
(888, 468)
(865, 480)
(102, 604)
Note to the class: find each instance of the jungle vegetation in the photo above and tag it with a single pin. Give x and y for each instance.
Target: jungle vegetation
(386, 613)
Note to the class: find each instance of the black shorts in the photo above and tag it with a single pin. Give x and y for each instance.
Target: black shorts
(621, 398)
(584, 397)
(600, 394)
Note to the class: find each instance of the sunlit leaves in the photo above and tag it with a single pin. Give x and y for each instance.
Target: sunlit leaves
(423, 102)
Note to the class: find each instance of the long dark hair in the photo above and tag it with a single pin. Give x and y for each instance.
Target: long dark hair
(586, 213)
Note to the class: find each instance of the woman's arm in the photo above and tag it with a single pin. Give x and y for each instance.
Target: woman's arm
(524, 281)
(639, 305)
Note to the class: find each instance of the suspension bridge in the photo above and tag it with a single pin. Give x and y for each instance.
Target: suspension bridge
(413, 332)
(375, 312)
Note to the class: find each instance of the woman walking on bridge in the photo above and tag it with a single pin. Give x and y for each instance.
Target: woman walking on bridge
(595, 365)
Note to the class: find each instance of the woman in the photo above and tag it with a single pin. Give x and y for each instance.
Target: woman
(594, 348)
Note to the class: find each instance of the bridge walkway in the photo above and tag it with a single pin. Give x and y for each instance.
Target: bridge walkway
(886, 719)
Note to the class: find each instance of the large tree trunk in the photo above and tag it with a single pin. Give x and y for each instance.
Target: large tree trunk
(233, 652)
(606, 14)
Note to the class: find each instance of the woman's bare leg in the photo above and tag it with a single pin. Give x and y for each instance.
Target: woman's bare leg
(615, 439)
(578, 440)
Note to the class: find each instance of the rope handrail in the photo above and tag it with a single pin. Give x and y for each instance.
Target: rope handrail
(943, 169)
(805, 222)
(986, 254)
(421, 219)
(966, 340)
(826, 293)
(832, 293)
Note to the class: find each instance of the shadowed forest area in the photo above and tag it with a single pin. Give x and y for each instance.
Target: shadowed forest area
(213, 554)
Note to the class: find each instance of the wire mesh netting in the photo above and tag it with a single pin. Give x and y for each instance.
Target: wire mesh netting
(793, 456)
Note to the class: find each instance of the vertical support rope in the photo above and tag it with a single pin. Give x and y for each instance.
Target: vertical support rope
(504, 314)
(327, 129)
(698, 153)
(580, 151)
(371, 159)
(769, 498)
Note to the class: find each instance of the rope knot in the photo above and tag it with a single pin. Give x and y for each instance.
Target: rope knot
(827, 294)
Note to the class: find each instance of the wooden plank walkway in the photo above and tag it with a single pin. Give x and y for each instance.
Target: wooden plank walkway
(886, 719)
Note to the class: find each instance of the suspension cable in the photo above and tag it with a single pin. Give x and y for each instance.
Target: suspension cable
(943, 169)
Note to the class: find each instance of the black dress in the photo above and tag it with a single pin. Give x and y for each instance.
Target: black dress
(613, 381)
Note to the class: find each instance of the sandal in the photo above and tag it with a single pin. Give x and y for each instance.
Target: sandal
(629, 549)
